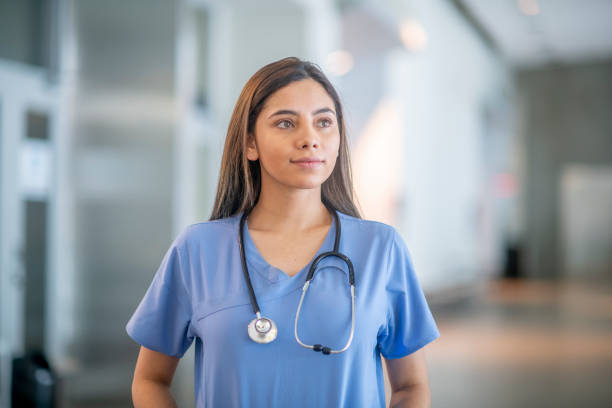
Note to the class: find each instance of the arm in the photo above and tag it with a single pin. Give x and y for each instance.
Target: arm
(408, 379)
(152, 379)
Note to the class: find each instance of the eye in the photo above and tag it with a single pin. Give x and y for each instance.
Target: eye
(284, 124)
(327, 121)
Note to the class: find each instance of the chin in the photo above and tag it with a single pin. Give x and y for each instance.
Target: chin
(307, 185)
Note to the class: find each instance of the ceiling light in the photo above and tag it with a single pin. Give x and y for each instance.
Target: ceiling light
(339, 62)
(413, 35)
(529, 7)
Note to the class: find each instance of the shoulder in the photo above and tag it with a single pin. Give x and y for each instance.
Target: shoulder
(207, 231)
(368, 229)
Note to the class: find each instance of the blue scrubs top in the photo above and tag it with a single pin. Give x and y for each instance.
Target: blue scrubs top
(199, 293)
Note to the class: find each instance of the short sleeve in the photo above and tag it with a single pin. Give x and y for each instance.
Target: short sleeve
(410, 324)
(162, 320)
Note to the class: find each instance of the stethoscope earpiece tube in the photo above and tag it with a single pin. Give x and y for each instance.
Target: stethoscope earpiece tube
(318, 347)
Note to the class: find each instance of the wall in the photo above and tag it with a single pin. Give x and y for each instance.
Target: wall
(121, 171)
(567, 122)
(455, 136)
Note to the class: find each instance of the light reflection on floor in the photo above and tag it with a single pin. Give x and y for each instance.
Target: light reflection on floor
(525, 344)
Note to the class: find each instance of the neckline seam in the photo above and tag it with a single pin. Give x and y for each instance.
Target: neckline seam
(261, 261)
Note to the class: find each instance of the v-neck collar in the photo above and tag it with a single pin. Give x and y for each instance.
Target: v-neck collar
(257, 263)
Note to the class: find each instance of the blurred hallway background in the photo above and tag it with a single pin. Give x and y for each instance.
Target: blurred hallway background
(522, 343)
(493, 119)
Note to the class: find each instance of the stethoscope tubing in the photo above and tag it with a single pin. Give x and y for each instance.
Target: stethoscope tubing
(309, 277)
(245, 270)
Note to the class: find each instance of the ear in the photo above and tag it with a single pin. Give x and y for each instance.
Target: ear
(251, 153)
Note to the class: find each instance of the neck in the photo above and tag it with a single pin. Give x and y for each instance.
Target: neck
(293, 213)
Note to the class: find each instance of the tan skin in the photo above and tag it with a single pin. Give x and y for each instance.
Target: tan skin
(289, 224)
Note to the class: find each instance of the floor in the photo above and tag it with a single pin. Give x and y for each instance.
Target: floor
(524, 344)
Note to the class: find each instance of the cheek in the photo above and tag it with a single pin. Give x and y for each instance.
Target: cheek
(278, 151)
(273, 157)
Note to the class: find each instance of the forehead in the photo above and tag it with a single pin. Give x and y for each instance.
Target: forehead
(304, 95)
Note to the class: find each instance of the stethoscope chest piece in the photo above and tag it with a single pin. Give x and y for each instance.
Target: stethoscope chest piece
(262, 330)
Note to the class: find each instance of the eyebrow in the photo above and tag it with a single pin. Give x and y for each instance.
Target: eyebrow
(290, 112)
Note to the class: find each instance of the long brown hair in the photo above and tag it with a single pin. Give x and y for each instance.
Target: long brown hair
(240, 179)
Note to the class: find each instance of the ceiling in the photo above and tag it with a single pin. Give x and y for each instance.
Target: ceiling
(559, 31)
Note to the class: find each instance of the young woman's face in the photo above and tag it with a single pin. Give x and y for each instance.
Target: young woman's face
(297, 122)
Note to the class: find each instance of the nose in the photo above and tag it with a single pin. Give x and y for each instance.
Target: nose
(309, 138)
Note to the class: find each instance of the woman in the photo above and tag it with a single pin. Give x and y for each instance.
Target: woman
(233, 283)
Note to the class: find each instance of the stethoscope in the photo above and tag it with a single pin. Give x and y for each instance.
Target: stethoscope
(264, 330)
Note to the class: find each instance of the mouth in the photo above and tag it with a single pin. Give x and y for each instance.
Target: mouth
(308, 163)
(308, 160)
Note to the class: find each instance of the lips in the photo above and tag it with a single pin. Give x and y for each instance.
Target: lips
(308, 160)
